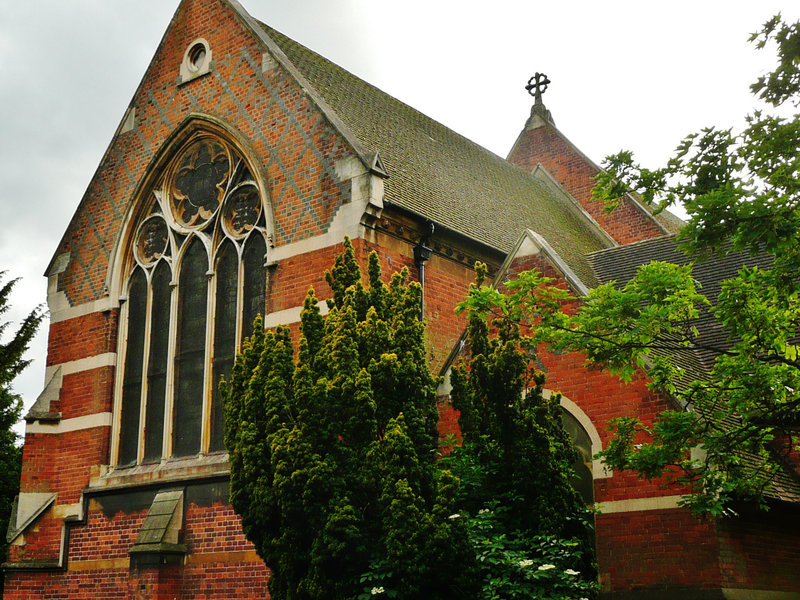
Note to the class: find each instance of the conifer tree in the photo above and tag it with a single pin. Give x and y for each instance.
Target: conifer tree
(333, 456)
(11, 365)
(530, 529)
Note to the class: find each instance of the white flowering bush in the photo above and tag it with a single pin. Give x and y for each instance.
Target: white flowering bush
(519, 566)
(376, 582)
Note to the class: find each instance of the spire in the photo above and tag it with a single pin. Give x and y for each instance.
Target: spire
(537, 86)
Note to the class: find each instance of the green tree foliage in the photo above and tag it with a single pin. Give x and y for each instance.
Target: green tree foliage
(530, 529)
(333, 455)
(11, 364)
(739, 421)
(742, 192)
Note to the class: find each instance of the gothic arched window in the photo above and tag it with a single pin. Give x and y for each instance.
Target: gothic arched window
(196, 280)
(582, 480)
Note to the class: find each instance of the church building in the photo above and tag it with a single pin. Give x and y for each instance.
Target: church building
(240, 165)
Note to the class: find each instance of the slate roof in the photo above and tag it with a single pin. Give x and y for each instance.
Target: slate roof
(619, 264)
(441, 175)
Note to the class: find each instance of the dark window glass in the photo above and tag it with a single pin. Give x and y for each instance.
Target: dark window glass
(255, 282)
(157, 363)
(190, 351)
(224, 336)
(582, 480)
(132, 382)
(207, 188)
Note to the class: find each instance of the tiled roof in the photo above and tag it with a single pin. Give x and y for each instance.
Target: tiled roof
(619, 264)
(442, 176)
(669, 221)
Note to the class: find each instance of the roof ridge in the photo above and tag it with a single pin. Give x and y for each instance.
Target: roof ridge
(370, 159)
(494, 156)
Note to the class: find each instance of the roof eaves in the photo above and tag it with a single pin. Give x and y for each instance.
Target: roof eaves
(370, 159)
(441, 227)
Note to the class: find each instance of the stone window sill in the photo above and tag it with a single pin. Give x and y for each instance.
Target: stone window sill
(106, 477)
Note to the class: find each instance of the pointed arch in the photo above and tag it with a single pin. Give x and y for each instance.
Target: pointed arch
(145, 194)
(599, 470)
(193, 252)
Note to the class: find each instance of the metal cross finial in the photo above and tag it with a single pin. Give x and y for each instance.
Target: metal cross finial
(537, 85)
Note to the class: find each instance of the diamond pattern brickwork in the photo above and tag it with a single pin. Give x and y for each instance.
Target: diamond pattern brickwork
(292, 141)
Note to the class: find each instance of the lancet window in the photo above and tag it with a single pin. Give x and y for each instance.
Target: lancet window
(582, 479)
(196, 280)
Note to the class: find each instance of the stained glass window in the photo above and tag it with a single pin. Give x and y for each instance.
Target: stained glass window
(196, 282)
(190, 351)
(224, 335)
(255, 282)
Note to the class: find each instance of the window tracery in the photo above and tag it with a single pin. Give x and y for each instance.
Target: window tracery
(196, 280)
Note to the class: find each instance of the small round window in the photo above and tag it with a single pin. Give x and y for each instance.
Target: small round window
(197, 56)
(196, 60)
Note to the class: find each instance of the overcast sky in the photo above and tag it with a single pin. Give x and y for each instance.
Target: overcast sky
(635, 74)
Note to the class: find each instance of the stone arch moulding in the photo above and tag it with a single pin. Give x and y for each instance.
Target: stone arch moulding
(140, 200)
(599, 469)
(202, 193)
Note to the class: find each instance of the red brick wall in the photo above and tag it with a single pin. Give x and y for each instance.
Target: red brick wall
(38, 462)
(656, 549)
(42, 540)
(62, 462)
(571, 169)
(89, 392)
(223, 581)
(163, 583)
(603, 396)
(269, 109)
(291, 278)
(760, 550)
(88, 585)
(446, 284)
(82, 337)
(221, 563)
